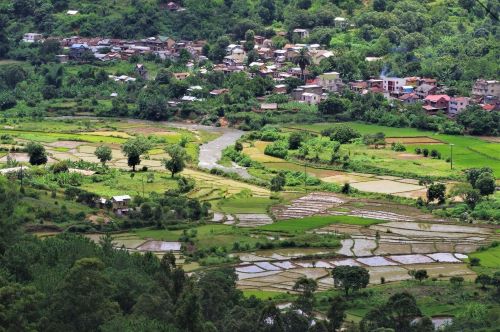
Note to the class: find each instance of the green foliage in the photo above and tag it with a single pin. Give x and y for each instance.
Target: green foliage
(103, 153)
(277, 149)
(374, 139)
(341, 133)
(437, 192)
(133, 148)
(350, 278)
(397, 313)
(398, 147)
(278, 182)
(177, 160)
(37, 153)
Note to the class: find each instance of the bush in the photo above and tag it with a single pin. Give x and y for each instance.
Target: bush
(418, 150)
(341, 133)
(398, 147)
(425, 152)
(277, 149)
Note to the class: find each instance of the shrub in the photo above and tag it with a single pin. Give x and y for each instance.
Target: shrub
(425, 152)
(474, 261)
(418, 150)
(341, 133)
(398, 147)
(277, 149)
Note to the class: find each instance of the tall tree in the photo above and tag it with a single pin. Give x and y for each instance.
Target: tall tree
(336, 313)
(305, 301)
(350, 277)
(134, 148)
(82, 301)
(178, 158)
(37, 153)
(103, 153)
(303, 59)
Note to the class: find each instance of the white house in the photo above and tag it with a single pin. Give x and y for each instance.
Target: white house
(32, 37)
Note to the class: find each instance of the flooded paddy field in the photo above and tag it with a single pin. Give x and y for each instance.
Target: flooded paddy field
(275, 274)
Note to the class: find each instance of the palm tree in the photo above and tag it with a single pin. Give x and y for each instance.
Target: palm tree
(303, 60)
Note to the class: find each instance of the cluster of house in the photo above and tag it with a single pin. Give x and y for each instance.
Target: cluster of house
(274, 63)
(107, 49)
(433, 97)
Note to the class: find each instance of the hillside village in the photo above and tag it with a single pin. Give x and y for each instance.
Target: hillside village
(275, 63)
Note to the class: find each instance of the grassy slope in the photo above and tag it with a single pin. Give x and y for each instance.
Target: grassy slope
(245, 205)
(468, 151)
(490, 258)
(207, 235)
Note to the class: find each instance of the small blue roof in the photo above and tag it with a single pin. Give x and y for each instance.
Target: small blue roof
(79, 46)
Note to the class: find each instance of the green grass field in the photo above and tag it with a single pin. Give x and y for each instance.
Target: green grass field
(207, 235)
(49, 137)
(308, 223)
(123, 184)
(468, 151)
(489, 258)
(245, 205)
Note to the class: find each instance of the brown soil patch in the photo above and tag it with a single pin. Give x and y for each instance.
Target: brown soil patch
(413, 140)
(493, 139)
(409, 156)
(65, 144)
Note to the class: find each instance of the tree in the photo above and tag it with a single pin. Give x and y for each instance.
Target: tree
(295, 139)
(336, 313)
(420, 275)
(379, 5)
(37, 153)
(303, 59)
(82, 301)
(483, 279)
(103, 153)
(485, 183)
(333, 105)
(249, 40)
(178, 158)
(305, 301)
(473, 174)
(271, 319)
(423, 324)
(468, 195)
(374, 139)
(278, 182)
(398, 313)
(437, 192)
(350, 277)
(341, 133)
(20, 306)
(474, 261)
(188, 313)
(456, 281)
(133, 148)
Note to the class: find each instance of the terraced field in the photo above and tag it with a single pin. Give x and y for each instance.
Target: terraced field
(388, 244)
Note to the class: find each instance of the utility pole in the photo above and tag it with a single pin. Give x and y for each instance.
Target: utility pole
(451, 155)
(305, 176)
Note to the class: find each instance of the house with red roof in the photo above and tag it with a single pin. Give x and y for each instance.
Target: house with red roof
(489, 107)
(434, 103)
